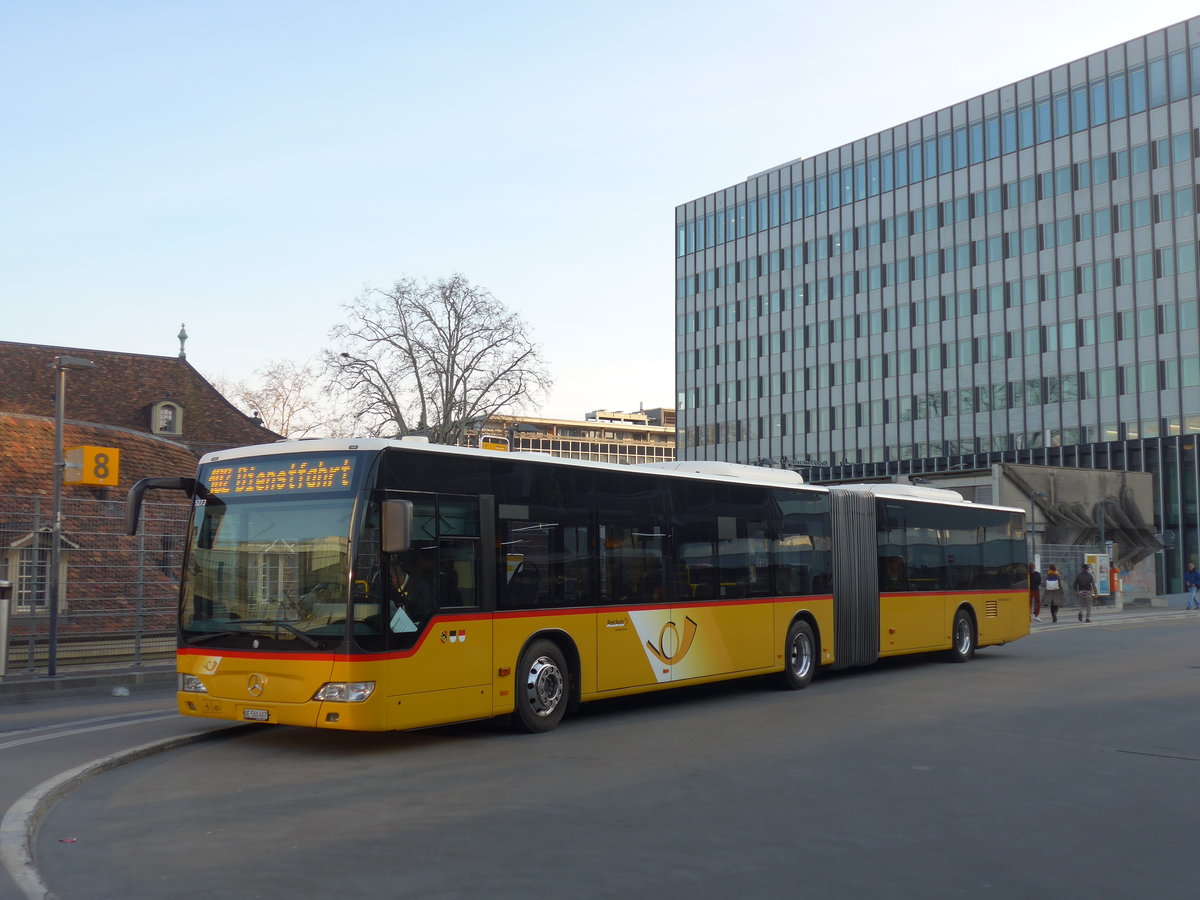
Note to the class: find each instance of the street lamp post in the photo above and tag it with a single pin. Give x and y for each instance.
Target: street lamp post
(1100, 516)
(1103, 544)
(1033, 498)
(60, 364)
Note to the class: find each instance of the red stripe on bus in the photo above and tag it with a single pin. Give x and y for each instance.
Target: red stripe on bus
(366, 655)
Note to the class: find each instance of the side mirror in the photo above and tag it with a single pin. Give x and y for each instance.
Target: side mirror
(397, 526)
(133, 505)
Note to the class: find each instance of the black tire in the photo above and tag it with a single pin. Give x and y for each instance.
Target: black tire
(542, 689)
(962, 638)
(799, 656)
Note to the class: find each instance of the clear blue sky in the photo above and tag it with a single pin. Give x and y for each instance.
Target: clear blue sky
(248, 167)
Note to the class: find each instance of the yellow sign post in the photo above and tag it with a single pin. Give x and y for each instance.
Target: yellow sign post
(98, 466)
(493, 442)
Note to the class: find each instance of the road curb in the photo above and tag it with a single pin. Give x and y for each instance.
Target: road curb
(18, 829)
(1110, 617)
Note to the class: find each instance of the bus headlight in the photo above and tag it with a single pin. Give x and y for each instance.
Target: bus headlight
(191, 684)
(345, 691)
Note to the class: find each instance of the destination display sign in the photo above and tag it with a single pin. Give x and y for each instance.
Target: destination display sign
(281, 475)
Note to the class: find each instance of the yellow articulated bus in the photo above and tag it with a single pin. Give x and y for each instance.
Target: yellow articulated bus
(386, 585)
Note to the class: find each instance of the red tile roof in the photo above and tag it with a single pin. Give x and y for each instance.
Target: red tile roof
(27, 455)
(103, 564)
(120, 391)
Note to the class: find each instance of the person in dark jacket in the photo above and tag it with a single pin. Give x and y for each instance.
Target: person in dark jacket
(1053, 583)
(1085, 589)
(1191, 584)
(413, 589)
(1035, 593)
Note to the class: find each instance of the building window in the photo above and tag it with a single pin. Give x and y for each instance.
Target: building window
(26, 564)
(166, 417)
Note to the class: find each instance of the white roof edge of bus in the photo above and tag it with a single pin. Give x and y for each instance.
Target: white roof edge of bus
(912, 491)
(306, 445)
(707, 468)
(740, 471)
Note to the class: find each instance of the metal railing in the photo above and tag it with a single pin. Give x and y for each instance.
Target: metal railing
(1067, 558)
(120, 593)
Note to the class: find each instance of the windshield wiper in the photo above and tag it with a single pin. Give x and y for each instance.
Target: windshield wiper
(208, 636)
(303, 635)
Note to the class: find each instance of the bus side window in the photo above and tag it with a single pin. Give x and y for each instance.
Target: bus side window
(892, 541)
(801, 545)
(414, 584)
(525, 587)
(635, 564)
(545, 564)
(457, 579)
(526, 563)
(893, 574)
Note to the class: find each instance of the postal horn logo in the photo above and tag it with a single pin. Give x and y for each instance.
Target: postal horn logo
(671, 649)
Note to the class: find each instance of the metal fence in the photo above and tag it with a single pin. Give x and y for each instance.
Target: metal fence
(1067, 558)
(119, 593)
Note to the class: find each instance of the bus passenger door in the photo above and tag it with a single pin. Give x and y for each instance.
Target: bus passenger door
(912, 619)
(449, 661)
(635, 616)
(724, 624)
(629, 646)
(721, 639)
(912, 577)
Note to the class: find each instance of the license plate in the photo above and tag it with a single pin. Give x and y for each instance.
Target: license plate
(256, 715)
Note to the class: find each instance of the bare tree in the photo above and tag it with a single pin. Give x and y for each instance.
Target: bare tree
(434, 359)
(287, 399)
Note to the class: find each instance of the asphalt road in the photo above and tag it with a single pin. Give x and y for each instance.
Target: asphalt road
(44, 734)
(1065, 764)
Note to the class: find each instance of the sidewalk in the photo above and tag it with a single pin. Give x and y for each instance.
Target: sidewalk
(1068, 615)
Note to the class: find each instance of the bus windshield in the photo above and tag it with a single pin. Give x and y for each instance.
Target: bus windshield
(268, 571)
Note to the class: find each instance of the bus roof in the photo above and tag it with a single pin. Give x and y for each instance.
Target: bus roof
(909, 491)
(719, 469)
(919, 492)
(709, 470)
(705, 469)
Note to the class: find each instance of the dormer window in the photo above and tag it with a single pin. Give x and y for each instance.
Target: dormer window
(166, 417)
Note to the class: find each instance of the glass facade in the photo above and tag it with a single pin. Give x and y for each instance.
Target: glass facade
(1013, 278)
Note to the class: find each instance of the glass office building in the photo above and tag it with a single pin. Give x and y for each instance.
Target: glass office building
(1010, 279)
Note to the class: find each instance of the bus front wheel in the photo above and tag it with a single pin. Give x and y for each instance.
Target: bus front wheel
(799, 656)
(962, 646)
(542, 688)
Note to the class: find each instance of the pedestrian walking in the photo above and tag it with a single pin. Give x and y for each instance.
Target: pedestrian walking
(1054, 590)
(1191, 583)
(1085, 589)
(1035, 593)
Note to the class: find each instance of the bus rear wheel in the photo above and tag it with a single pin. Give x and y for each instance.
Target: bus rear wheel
(962, 646)
(543, 687)
(799, 656)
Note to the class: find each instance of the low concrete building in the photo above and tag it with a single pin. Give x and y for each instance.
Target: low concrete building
(601, 436)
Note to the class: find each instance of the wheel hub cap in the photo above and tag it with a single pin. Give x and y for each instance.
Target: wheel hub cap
(544, 686)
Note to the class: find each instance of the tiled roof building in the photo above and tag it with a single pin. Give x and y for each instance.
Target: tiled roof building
(99, 571)
(160, 395)
(161, 415)
(27, 455)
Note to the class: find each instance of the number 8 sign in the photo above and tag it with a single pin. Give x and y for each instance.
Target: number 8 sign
(92, 465)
